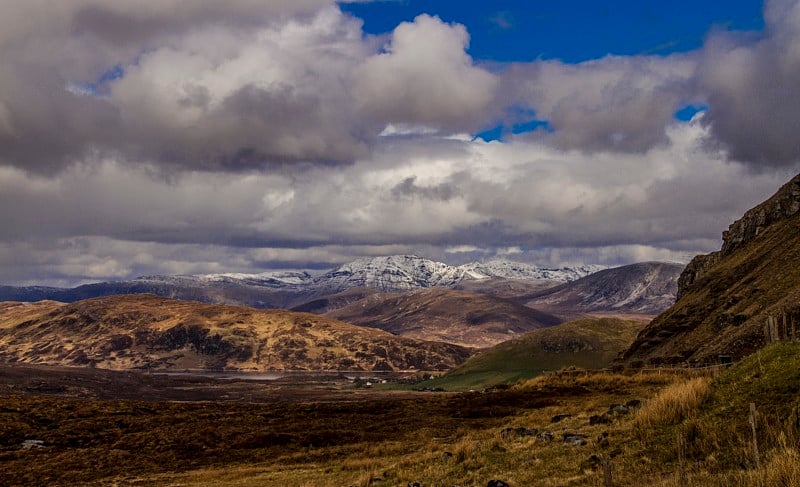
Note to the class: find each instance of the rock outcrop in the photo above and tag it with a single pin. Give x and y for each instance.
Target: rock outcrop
(783, 204)
(733, 301)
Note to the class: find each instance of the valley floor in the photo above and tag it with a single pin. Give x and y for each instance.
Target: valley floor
(67, 427)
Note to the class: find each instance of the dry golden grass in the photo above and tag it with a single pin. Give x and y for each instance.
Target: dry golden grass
(674, 404)
(782, 470)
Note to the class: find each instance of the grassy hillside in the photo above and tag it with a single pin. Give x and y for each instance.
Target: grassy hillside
(591, 343)
(717, 432)
(145, 331)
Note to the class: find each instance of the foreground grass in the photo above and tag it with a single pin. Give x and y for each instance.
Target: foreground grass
(688, 427)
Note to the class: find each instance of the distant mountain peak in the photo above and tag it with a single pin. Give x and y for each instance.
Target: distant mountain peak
(405, 272)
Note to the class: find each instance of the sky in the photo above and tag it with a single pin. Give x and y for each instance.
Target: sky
(142, 137)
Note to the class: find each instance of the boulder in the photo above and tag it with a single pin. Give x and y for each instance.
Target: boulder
(575, 439)
(599, 419)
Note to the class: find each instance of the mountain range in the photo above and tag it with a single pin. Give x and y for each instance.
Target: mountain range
(289, 289)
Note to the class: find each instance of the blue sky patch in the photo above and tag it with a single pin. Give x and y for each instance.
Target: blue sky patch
(689, 111)
(570, 30)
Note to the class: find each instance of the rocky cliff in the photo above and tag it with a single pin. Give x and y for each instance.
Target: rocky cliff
(783, 204)
(735, 300)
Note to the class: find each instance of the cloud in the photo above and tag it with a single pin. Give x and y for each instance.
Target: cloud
(624, 104)
(195, 89)
(248, 86)
(182, 137)
(425, 77)
(427, 196)
(752, 85)
(503, 20)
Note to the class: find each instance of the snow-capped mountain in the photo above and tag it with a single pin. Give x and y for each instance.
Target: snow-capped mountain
(281, 289)
(405, 272)
(518, 270)
(284, 279)
(392, 273)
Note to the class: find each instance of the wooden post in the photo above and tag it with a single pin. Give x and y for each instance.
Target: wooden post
(753, 425)
(785, 328)
(608, 481)
(682, 481)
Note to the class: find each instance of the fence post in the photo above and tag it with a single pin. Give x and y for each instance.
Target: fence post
(681, 461)
(608, 481)
(753, 425)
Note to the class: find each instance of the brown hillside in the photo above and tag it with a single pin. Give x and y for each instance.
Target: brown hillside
(458, 317)
(727, 297)
(145, 331)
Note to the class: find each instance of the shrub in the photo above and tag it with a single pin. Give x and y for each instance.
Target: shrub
(674, 404)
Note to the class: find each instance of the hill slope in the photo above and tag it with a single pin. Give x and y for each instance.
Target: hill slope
(645, 288)
(446, 315)
(728, 297)
(145, 331)
(590, 343)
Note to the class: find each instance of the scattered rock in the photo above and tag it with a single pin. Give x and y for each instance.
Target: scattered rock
(619, 409)
(602, 440)
(634, 404)
(591, 463)
(559, 417)
(31, 444)
(415, 484)
(447, 455)
(544, 436)
(599, 419)
(497, 483)
(509, 432)
(575, 439)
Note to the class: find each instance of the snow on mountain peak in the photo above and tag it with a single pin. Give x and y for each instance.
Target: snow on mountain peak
(387, 273)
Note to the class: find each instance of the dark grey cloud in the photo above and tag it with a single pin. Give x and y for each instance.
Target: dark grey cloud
(408, 188)
(752, 85)
(222, 87)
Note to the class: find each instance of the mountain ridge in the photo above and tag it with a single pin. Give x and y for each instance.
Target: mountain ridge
(646, 288)
(447, 315)
(286, 289)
